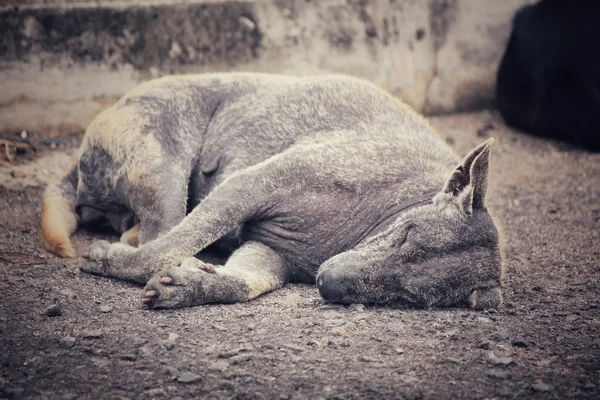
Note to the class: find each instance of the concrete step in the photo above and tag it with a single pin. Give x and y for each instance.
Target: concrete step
(61, 62)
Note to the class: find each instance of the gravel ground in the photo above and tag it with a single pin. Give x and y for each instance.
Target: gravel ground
(69, 335)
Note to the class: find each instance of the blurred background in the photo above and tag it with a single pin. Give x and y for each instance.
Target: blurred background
(62, 61)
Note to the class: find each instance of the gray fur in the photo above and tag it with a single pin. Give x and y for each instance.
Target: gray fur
(325, 178)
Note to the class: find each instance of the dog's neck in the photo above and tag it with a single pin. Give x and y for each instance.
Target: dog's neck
(396, 210)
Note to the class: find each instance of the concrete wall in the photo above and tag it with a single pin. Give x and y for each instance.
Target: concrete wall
(61, 62)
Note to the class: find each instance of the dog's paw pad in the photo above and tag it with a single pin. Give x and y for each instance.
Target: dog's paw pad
(179, 286)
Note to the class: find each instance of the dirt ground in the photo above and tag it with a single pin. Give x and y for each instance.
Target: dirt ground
(69, 335)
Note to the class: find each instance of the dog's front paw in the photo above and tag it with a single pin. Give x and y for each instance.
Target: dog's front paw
(180, 286)
(99, 250)
(106, 258)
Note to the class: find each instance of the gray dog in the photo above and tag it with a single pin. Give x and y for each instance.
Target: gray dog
(321, 178)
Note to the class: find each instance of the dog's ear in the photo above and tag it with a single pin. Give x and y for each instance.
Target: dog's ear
(468, 182)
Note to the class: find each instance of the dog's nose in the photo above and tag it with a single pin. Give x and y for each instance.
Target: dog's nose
(330, 286)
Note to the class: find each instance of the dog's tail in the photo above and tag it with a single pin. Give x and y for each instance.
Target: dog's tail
(59, 219)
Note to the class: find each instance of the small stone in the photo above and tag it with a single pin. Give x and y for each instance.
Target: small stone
(338, 343)
(338, 331)
(106, 309)
(173, 336)
(572, 318)
(53, 311)
(13, 392)
(240, 358)
(168, 370)
(167, 344)
(330, 323)
(399, 350)
(518, 342)
(483, 320)
(188, 377)
(366, 358)
(129, 357)
(67, 342)
(156, 392)
(294, 348)
(91, 334)
(247, 22)
(23, 134)
(542, 387)
(66, 396)
(93, 351)
(495, 360)
(485, 344)
(498, 374)
(220, 366)
(356, 307)
(497, 337)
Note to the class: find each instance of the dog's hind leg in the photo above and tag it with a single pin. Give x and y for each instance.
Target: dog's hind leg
(252, 270)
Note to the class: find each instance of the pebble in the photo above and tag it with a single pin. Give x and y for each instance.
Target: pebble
(484, 320)
(542, 387)
(129, 357)
(188, 377)
(156, 392)
(498, 374)
(53, 311)
(497, 337)
(220, 365)
(338, 343)
(333, 322)
(66, 396)
(399, 351)
(495, 360)
(518, 342)
(167, 344)
(233, 352)
(356, 307)
(485, 344)
(366, 359)
(572, 318)
(338, 331)
(67, 342)
(106, 309)
(294, 348)
(91, 334)
(240, 358)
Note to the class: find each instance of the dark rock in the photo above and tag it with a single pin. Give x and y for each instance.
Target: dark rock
(484, 344)
(53, 311)
(129, 357)
(518, 342)
(90, 334)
